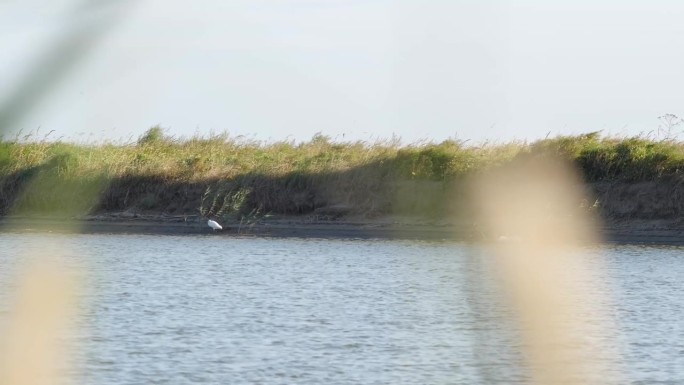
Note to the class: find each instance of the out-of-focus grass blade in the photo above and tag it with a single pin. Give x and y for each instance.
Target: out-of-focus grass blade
(531, 211)
(85, 27)
(90, 21)
(31, 352)
(30, 348)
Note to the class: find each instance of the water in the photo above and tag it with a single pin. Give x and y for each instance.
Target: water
(164, 309)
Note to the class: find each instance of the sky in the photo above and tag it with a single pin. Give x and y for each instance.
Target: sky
(272, 70)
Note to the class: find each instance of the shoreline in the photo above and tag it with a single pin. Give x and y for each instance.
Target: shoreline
(637, 232)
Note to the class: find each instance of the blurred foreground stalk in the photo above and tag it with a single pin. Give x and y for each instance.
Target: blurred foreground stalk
(32, 350)
(532, 209)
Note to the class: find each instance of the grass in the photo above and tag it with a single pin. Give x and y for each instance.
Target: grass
(224, 176)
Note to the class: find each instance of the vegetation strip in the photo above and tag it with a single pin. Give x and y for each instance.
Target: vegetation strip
(236, 178)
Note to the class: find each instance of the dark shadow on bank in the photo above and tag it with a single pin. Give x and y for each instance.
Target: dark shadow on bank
(383, 189)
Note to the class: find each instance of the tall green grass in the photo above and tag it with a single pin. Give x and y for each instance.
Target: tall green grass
(205, 175)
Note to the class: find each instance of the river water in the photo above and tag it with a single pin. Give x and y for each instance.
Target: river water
(209, 309)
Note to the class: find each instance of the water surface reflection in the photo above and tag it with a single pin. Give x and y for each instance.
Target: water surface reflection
(219, 310)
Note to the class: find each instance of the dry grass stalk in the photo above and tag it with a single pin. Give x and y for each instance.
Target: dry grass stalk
(32, 352)
(531, 208)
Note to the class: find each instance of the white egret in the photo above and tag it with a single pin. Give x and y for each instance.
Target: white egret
(214, 225)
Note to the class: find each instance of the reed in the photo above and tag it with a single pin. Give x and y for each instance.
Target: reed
(161, 173)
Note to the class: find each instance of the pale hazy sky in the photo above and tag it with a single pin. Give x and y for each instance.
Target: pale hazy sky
(429, 69)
